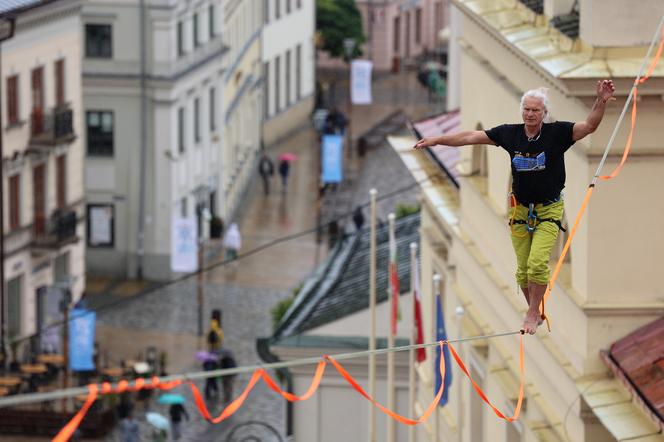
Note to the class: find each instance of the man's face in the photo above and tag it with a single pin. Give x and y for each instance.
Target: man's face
(533, 112)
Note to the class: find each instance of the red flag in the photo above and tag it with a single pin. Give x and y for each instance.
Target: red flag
(394, 282)
(420, 354)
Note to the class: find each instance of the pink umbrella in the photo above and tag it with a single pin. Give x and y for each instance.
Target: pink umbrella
(287, 156)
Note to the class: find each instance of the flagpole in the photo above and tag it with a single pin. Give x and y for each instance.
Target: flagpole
(411, 352)
(372, 317)
(459, 313)
(436, 291)
(390, 336)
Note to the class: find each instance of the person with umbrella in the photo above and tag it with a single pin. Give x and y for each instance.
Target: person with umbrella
(160, 424)
(284, 167)
(176, 411)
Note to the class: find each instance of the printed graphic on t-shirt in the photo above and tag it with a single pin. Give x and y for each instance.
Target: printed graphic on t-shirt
(525, 163)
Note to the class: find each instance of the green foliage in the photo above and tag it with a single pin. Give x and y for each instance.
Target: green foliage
(337, 20)
(279, 310)
(402, 210)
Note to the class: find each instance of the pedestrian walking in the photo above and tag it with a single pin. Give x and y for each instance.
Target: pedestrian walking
(266, 170)
(284, 169)
(536, 152)
(358, 218)
(227, 361)
(177, 411)
(211, 385)
(129, 429)
(232, 242)
(215, 337)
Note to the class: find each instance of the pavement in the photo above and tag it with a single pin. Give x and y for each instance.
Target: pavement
(248, 288)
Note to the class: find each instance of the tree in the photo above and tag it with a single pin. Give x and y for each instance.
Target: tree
(337, 20)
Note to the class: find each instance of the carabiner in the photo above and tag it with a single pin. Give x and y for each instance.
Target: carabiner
(532, 218)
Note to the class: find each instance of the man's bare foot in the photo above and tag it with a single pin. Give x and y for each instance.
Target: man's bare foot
(531, 322)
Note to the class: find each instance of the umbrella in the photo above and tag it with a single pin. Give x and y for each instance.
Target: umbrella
(287, 156)
(205, 356)
(141, 367)
(171, 398)
(158, 421)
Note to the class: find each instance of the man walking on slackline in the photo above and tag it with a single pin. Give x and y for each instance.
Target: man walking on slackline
(538, 176)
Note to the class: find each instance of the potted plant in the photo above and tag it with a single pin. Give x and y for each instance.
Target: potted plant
(216, 227)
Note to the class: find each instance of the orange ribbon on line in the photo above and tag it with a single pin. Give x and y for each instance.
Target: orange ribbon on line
(258, 374)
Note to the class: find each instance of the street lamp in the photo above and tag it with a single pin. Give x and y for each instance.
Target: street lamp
(349, 49)
(7, 25)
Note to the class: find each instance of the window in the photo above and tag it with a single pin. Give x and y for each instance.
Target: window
(397, 34)
(438, 16)
(180, 39)
(61, 181)
(61, 267)
(266, 10)
(277, 9)
(197, 120)
(288, 6)
(181, 130)
(14, 202)
(60, 83)
(211, 24)
(183, 207)
(213, 110)
(266, 92)
(288, 78)
(101, 220)
(418, 25)
(12, 100)
(98, 41)
(100, 133)
(277, 72)
(298, 4)
(37, 115)
(196, 41)
(298, 72)
(14, 292)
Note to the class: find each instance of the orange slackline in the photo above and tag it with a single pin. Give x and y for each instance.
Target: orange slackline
(69, 429)
(615, 173)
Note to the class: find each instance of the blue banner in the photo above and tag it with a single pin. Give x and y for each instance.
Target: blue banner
(332, 158)
(81, 339)
(441, 335)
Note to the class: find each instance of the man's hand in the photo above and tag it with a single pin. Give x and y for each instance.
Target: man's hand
(605, 90)
(426, 142)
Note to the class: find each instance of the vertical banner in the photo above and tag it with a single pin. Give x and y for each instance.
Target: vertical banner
(360, 80)
(332, 158)
(184, 245)
(441, 335)
(82, 339)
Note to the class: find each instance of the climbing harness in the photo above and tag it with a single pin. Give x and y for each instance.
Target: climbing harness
(532, 221)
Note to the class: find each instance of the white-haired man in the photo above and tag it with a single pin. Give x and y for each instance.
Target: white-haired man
(537, 151)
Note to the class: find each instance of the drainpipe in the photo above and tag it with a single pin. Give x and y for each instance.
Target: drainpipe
(143, 147)
(3, 316)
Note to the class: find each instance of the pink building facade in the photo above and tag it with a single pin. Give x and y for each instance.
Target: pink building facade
(399, 31)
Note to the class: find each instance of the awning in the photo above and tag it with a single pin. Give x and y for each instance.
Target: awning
(447, 157)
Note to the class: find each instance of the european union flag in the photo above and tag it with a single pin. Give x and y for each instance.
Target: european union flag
(441, 335)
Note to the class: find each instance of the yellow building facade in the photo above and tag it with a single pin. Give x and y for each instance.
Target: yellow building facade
(608, 285)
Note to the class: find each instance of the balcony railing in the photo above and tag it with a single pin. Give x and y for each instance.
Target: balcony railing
(57, 231)
(51, 128)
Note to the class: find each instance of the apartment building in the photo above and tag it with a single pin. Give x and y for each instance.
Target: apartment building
(289, 65)
(154, 78)
(42, 164)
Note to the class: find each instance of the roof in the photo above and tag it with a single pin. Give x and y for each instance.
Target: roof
(445, 156)
(549, 47)
(639, 356)
(17, 6)
(340, 286)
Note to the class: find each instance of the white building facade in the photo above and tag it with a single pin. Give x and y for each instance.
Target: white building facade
(42, 165)
(289, 65)
(154, 122)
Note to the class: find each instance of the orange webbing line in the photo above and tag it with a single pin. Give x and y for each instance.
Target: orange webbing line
(615, 173)
(318, 375)
(68, 430)
(482, 395)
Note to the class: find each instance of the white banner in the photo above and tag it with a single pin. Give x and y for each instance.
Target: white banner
(184, 245)
(360, 75)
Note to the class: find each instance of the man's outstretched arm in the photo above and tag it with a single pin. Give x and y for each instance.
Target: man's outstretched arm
(456, 139)
(605, 91)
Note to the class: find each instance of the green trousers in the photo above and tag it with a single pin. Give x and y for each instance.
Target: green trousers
(533, 250)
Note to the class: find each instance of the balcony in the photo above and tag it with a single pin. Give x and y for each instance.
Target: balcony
(51, 128)
(55, 232)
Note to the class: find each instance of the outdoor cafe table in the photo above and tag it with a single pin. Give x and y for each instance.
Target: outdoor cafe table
(9, 381)
(52, 359)
(113, 372)
(4, 391)
(33, 368)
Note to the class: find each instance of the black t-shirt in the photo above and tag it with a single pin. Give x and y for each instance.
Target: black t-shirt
(538, 166)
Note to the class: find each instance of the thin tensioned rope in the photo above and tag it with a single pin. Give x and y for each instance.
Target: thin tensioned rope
(72, 392)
